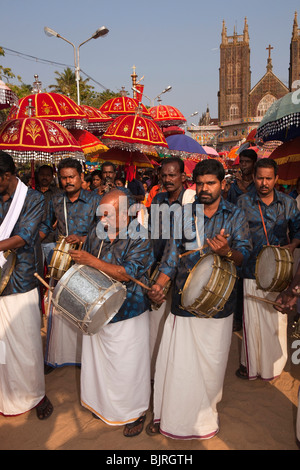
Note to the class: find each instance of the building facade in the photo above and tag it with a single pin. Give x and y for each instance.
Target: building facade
(240, 107)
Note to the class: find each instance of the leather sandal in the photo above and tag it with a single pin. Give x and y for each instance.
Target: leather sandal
(139, 424)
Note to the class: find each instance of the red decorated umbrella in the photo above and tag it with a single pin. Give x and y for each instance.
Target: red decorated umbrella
(166, 116)
(98, 122)
(7, 96)
(52, 106)
(122, 106)
(172, 130)
(32, 139)
(135, 132)
(90, 144)
(287, 157)
(124, 157)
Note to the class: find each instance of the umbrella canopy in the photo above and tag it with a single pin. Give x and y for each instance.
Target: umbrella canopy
(134, 132)
(51, 106)
(287, 157)
(181, 145)
(166, 116)
(211, 151)
(123, 105)
(32, 139)
(7, 97)
(98, 122)
(124, 157)
(89, 143)
(282, 120)
(172, 130)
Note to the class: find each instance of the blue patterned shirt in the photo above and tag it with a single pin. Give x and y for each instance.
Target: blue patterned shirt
(228, 217)
(27, 227)
(235, 192)
(80, 214)
(136, 256)
(282, 220)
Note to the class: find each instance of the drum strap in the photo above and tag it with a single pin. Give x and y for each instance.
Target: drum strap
(263, 222)
(66, 217)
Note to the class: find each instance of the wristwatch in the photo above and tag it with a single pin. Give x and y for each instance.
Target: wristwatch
(229, 254)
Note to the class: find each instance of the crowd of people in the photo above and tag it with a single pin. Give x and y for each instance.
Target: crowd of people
(149, 235)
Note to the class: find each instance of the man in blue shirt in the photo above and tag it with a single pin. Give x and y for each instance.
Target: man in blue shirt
(22, 382)
(193, 353)
(75, 211)
(273, 220)
(243, 184)
(115, 373)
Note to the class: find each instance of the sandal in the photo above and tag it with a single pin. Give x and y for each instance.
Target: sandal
(152, 428)
(44, 409)
(242, 372)
(139, 424)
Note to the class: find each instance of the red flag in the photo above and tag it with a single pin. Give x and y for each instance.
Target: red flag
(140, 89)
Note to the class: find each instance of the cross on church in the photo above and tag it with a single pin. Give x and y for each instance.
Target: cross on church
(269, 49)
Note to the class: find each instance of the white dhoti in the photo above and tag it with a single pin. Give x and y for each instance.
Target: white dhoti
(115, 371)
(189, 376)
(157, 320)
(264, 345)
(64, 341)
(22, 381)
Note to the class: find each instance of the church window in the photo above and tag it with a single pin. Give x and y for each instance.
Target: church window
(264, 104)
(233, 112)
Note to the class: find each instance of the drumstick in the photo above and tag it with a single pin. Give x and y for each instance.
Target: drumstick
(43, 282)
(138, 282)
(275, 304)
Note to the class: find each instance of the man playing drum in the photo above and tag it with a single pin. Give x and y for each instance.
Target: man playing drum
(75, 211)
(162, 209)
(115, 372)
(274, 220)
(193, 353)
(22, 381)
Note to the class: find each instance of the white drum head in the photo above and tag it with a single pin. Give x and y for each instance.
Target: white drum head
(266, 267)
(197, 280)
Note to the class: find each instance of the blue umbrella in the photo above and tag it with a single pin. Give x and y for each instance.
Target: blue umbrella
(184, 143)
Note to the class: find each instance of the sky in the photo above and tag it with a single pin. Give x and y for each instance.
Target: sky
(170, 42)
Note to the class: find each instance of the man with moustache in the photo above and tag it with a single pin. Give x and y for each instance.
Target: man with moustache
(273, 219)
(162, 210)
(241, 185)
(75, 211)
(115, 374)
(194, 350)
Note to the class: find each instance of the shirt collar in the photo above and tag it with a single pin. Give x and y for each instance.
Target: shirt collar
(165, 197)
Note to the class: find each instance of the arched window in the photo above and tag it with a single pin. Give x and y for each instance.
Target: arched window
(264, 104)
(233, 112)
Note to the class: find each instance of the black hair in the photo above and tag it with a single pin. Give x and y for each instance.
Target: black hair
(249, 153)
(209, 167)
(70, 163)
(96, 173)
(266, 163)
(48, 167)
(172, 160)
(7, 163)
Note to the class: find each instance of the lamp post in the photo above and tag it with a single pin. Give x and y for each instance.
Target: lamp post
(100, 32)
(152, 101)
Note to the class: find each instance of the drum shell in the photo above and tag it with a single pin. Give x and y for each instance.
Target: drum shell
(153, 279)
(283, 275)
(7, 269)
(61, 260)
(222, 280)
(88, 298)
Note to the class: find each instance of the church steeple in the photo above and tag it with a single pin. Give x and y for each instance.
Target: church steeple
(295, 28)
(224, 34)
(246, 32)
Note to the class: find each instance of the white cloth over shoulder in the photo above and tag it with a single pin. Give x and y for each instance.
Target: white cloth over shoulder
(12, 215)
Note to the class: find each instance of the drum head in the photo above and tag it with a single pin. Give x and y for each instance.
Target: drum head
(266, 266)
(197, 280)
(7, 269)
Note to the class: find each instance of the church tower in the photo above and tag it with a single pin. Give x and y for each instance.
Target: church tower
(234, 75)
(294, 70)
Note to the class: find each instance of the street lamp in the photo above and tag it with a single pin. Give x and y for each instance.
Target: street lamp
(168, 88)
(100, 32)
